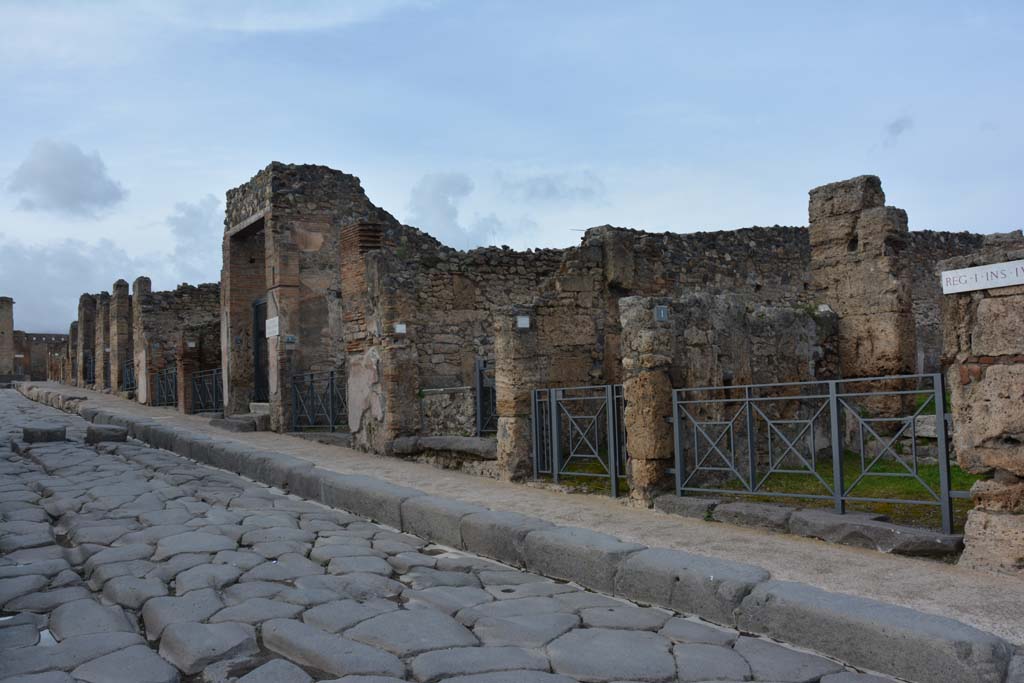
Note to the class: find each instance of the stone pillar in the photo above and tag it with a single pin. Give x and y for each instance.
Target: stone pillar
(101, 345)
(72, 353)
(142, 355)
(188, 362)
(120, 333)
(6, 337)
(86, 337)
(519, 368)
(858, 269)
(984, 349)
(647, 347)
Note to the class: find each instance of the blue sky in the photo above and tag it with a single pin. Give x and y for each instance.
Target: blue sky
(122, 124)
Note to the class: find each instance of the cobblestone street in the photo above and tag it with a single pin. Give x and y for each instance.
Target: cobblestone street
(127, 563)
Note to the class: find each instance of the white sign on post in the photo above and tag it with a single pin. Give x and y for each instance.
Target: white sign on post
(983, 277)
(273, 327)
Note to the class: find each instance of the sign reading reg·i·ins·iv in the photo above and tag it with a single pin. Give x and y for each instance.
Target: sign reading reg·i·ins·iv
(983, 277)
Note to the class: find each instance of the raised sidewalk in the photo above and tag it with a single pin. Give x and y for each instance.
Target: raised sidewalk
(762, 601)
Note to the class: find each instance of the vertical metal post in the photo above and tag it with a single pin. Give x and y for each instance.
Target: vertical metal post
(535, 433)
(838, 486)
(330, 400)
(478, 390)
(611, 424)
(677, 435)
(554, 396)
(945, 501)
(295, 406)
(751, 442)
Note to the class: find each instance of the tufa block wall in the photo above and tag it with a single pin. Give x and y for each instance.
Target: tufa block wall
(6, 337)
(86, 337)
(120, 333)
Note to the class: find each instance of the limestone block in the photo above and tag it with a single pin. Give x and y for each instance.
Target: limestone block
(994, 541)
(997, 327)
(500, 535)
(515, 455)
(846, 196)
(989, 418)
(999, 496)
(436, 519)
(41, 432)
(587, 557)
(98, 433)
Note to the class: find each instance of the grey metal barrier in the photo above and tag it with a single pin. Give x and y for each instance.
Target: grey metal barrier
(164, 386)
(318, 401)
(88, 368)
(207, 391)
(579, 432)
(128, 376)
(831, 440)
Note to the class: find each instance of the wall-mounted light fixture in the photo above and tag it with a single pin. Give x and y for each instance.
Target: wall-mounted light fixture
(522, 322)
(400, 328)
(661, 313)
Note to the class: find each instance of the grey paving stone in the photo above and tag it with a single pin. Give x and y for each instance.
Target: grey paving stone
(126, 553)
(500, 535)
(763, 515)
(192, 542)
(191, 646)
(136, 664)
(256, 611)
(41, 568)
(572, 602)
(524, 631)
(340, 615)
(65, 578)
(355, 586)
(67, 654)
(277, 534)
(425, 577)
(285, 568)
(850, 677)
(436, 518)
(366, 496)
(596, 654)
(20, 585)
(240, 592)
(703, 662)
(276, 671)
(680, 630)
(150, 535)
(98, 433)
(509, 608)
(705, 586)
(510, 677)
(771, 662)
(885, 638)
(274, 549)
(43, 432)
(309, 646)
(371, 565)
(410, 632)
(530, 590)
(50, 677)
(166, 517)
(83, 617)
(23, 635)
(439, 664)
(448, 599)
(403, 562)
(864, 532)
(131, 591)
(205, 576)
(587, 557)
(624, 617)
(686, 506)
(196, 606)
(46, 601)
(168, 570)
(243, 559)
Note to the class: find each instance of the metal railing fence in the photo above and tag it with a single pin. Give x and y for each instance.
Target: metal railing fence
(164, 386)
(128, 376)
(486, 398)
(318, 401)
(207, 391)
(816, 440)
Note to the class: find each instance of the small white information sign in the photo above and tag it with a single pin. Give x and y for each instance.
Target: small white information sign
(273, 327)
(983, 277)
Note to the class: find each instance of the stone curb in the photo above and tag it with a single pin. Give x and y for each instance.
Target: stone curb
(889, 639)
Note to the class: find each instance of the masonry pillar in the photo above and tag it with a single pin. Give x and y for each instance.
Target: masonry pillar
(86, 339)
(519, 368)
(142, 355)
(984, 350)
(188, 362)
(6, 337)
(120, 333)
(647, 346)
(72, 353)
(858, 269)
(101, 345)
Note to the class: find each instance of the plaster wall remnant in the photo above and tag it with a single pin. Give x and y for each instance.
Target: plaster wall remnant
(120, 333)
(984, 350)
(101, 345)
(158, 319)
(6, 338)
(86, 339)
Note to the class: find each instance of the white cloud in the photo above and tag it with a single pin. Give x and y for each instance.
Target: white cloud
(61, 178)
(434, 207)
(270, 16)
(554, 187)
(197, 228)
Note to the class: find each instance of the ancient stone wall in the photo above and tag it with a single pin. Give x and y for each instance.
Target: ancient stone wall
(158, 319)
(86, 340)
(859, 267)
(926, 248)
(101, 345)
(71, 366)
(984, 348)
(197, 349)
(6, 338)
(708, 340)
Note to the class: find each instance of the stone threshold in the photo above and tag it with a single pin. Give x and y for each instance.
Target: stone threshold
(894, 640)
(858, 529)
